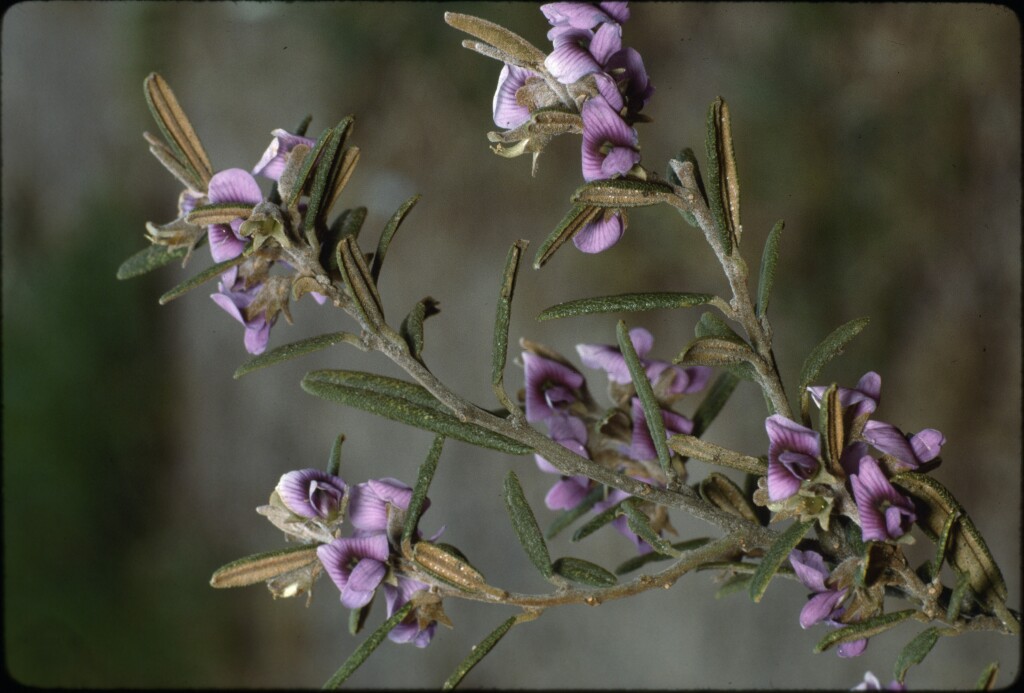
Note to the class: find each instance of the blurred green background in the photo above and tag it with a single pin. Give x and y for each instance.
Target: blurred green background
(887, 136)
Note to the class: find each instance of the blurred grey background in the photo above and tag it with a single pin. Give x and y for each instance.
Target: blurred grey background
(887, 136)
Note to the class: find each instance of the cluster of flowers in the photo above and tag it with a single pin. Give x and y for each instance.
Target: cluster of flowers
(557, 395)
(365, 561)
(610, 81)
(247, 291)
(883, 513)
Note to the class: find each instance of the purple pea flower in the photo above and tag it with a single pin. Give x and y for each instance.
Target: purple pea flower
(600, 235)
(234, 298)
(569, 432)
(610, 359)
(911, 451)
(508, 112)
(629, 69)
(642, 447)
(885, 514)
(357, 566)
(609, 144)
(371, 502)
(408, 630)
(621, 524)
(579, 52)
(863, 398)
(311, 493)
(825, 603)
(550, 386)
(792, 456)
(871, 683)
(271, 165)
(585, 15)
(231, 185)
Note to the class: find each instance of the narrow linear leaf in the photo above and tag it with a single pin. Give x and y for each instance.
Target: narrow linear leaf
(320, 191)
(201, 278)
(419, 494)
(403, 402)
(356, 275)
(864, 629)
(524, 53)
(829, 348)
(597, 521)
(652, 410)
(690, 446)
(357, 618)
(308, 165)
(737, 583)
(624, 192)
(524, 522)
(633, 302)
(220, 213)
(148, 259)
(261, 567)
(775, 556)
(503, 313)
(176, 128)
(640, 525)
(384, 242)
(769, 259)
(173, 163)
(715, 399)
(577, 217)
(942, 541)
(567, 517)
(960, 594)
(340, 176)
(366, 649)
(479, 651)
(350, 222)
(584, 572)
(640, 560)
(729, 175)
(716, 176)
(915, 652)
(967, 551)
(710, 325)
(987, 680)
(334, 461)
(411, 329)
(295, 349)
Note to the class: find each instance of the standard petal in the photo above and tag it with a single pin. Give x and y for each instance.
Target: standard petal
(891, 441)
(927, 444)
(311, 492)
(229, 306)
(391, 491)
(638, 89)
(607, 40)
(789, 435)
(609, 90)
(566, 428)
(541, 374)
(570, 61)
(234, 185)
(580, 15)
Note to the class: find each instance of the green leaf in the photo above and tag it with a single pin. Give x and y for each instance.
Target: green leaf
(356, 275)
(200, 279)
(769, 258)
(651, 408)
(177, 130)
(714, 351)
(567, 517)
(503, 313)
(634, 302)
(411, 329)
(261, 567)
(584, 572)
(640, 560)
(718, 146)
(737, 583)
(960, 594)
(720, 491)
(624, 192)
(519, 51)
(915, 651)
(717, 395)
(295, 349)
(829, 348)
(690, 446)
(598, 521)
(366, 649)
(775, 556)
(987, 680)
(710, 325)
(405, 402)
(148, 259)
(357, 617)
(967, 551)
(308, 164)
(419, 494)
(320, 191)
(348, 223)
(388, 233)
(864, 629)
(524, 522)
(334, 461)
(479, 651)
(640, 525)
(577, 217)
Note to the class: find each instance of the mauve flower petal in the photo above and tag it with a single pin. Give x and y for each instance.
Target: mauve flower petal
(580, 15)
(602, 125)
(546, 466)
(851, 456)
(234, 185)
(607, 40)
(366, 510)
(606, 358)
(600, 235)
(609, 90)
(570, 61)
(618, 161)
(927, 444)
(508, 113)
(781, 484)
(799, 465)
(638, 87)
(224, 244)
(642, 447)
(619, 11)
(337, 557)
(871, 385)
(272, 164)
(391, 491)
(567, 493)
(891, 441)
(257, 335)
(229, 306)
(566, 428)
(642, 341)
(311, 492)
(870, 491)
(188, 200)
(818, 607)
(854, 648)
(541, 374)
(789, 435)
(810, 569)
(362, 582)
